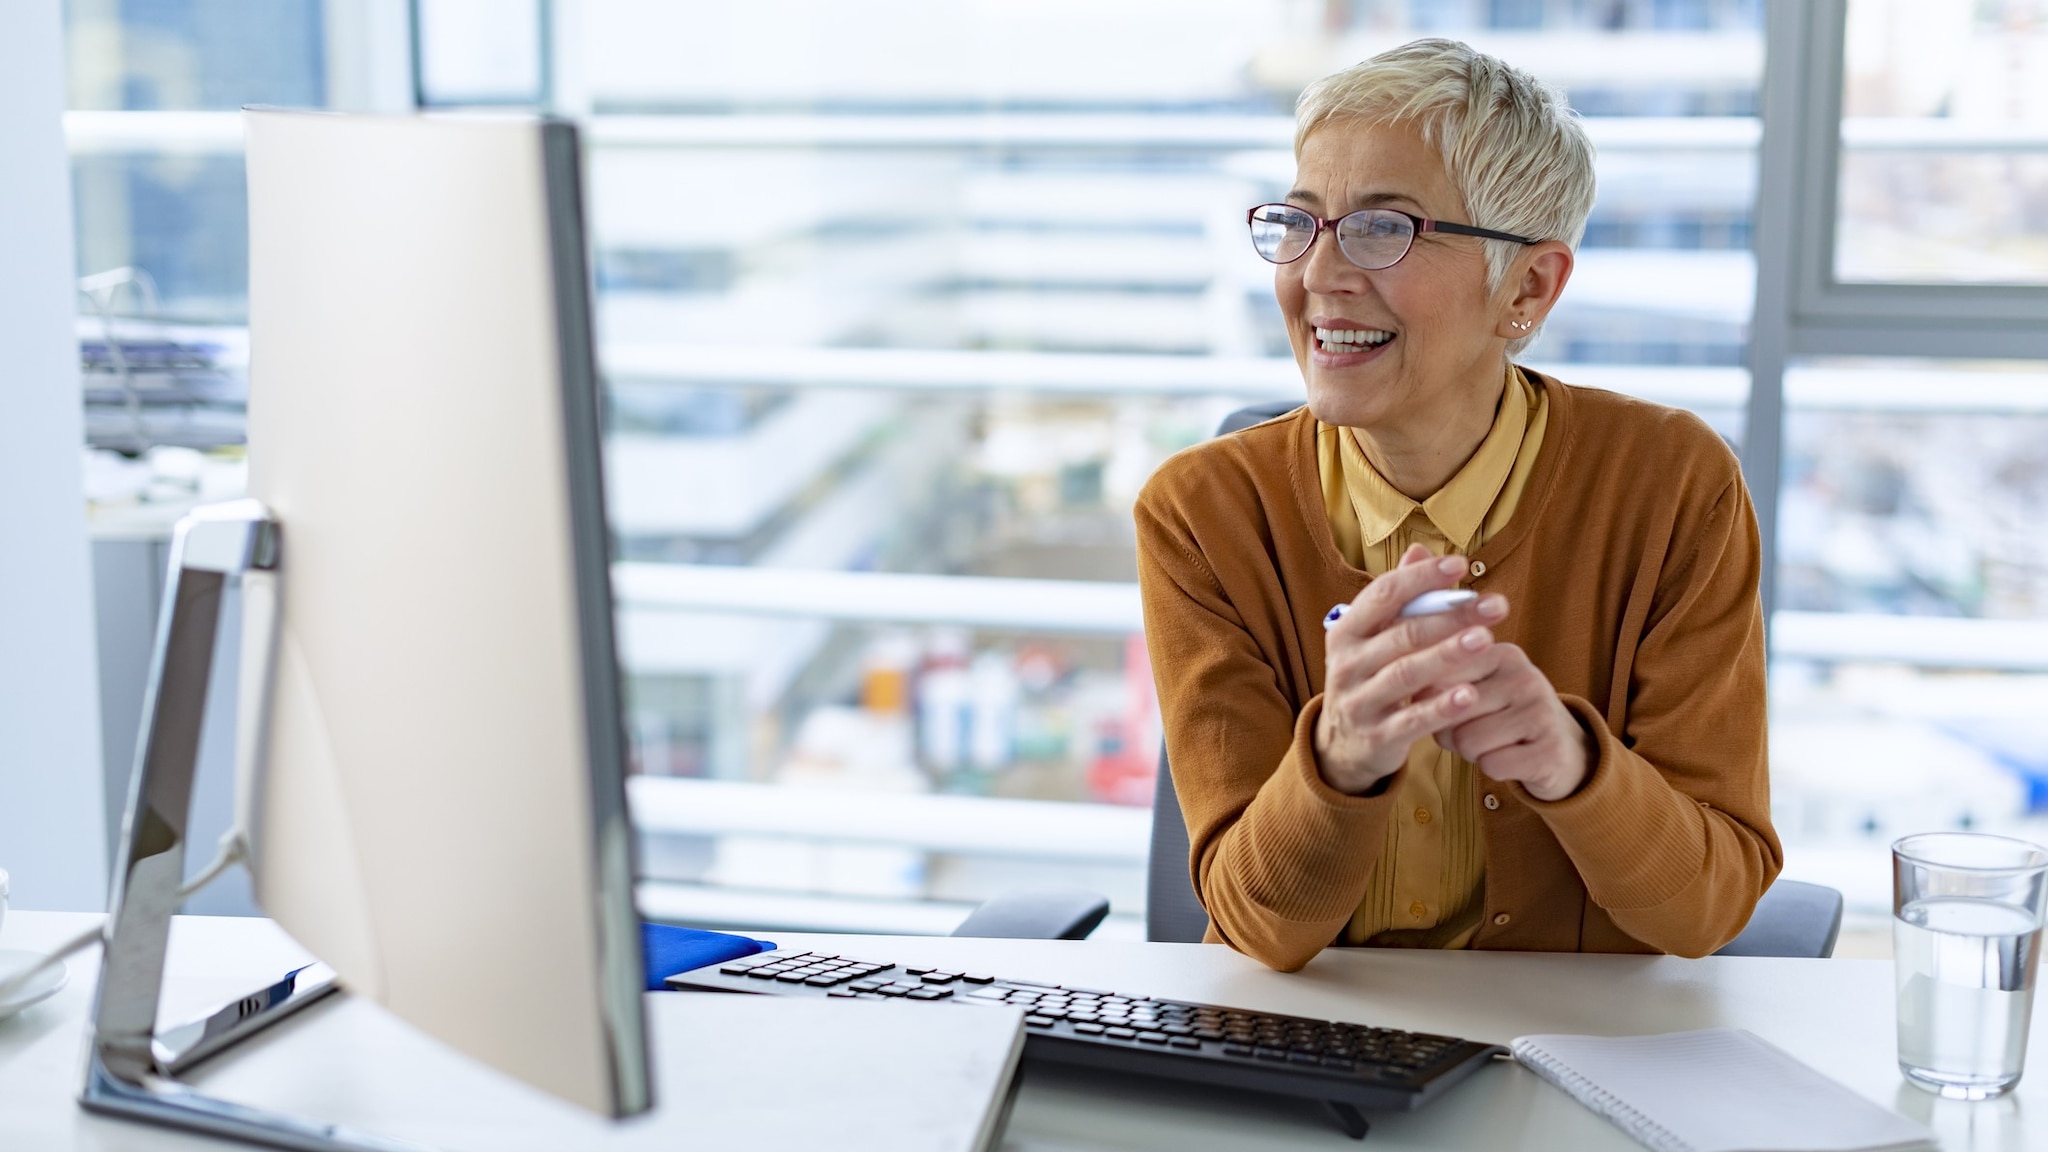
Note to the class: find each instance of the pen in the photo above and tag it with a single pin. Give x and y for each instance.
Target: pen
(1427, 604)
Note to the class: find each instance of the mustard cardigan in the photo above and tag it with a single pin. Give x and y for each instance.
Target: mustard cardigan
(1631, 570)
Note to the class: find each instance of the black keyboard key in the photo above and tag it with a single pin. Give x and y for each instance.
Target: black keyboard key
(1303, 1058)
(1208, 1034)
(1270, 1053)
(826, 980)
(1040, 1021)
(924, 994)
(1122, 1033)
(796, 977)
(977, 978)
(843, 994)
(939, 977)
(1338, 1062)
(1152, 1037)
(893, 990)
(1088, 1029)
(1187, 1042)
(1244, 1050)
(764, 973)
(866, 985)
(916, 971)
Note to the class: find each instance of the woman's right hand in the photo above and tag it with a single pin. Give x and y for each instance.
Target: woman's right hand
(1388, 681)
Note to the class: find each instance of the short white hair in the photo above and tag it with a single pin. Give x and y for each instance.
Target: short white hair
(1511, 144)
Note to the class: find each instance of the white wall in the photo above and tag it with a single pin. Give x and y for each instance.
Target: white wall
(51, 831)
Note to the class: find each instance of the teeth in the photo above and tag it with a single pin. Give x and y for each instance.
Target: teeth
(1330, 338)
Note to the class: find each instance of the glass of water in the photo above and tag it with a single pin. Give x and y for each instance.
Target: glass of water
(1966, 940)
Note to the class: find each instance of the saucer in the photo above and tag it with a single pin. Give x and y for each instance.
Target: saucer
(41, 987)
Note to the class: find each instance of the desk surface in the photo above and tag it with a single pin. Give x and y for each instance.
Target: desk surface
(348, 1062)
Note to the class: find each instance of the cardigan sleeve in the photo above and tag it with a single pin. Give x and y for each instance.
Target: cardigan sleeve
(1279, 859)
(1671, 830)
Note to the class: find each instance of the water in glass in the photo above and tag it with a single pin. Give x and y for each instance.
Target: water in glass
(1965, 973)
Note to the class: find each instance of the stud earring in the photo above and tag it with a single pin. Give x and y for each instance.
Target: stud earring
(1522, 325)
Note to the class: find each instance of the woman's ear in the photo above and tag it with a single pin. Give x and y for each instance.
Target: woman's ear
(1534, 283)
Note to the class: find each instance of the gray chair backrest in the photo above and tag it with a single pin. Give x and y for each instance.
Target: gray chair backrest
(1172, 913)
(1793, 918)
(1252, 414)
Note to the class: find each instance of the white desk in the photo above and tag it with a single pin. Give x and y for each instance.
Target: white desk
(349, 1063)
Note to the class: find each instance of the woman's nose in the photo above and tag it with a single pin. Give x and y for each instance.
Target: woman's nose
(1326, 270)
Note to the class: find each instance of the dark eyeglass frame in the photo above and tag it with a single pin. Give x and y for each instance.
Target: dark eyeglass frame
(1422, 226)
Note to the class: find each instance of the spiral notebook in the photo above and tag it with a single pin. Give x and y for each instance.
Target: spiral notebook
(1716, 1090)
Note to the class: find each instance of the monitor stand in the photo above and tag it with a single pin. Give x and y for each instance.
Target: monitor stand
(131, 1066)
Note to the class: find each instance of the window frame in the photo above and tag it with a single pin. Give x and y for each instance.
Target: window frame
(1800, 308)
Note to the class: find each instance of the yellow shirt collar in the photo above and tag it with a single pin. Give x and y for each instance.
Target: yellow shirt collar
(1459, 508)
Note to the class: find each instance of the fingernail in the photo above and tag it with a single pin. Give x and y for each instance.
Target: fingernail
(1450, 565)
(1474, 640)
(1493, 607)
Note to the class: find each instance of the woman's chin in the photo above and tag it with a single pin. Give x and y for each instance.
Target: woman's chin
(1353, 399)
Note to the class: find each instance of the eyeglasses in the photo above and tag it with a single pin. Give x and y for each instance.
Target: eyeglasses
(1372, 238)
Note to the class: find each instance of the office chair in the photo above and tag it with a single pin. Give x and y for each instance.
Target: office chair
(1793, 918)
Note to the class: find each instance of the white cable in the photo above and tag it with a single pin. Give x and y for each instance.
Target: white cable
(234, 848)
(16, 982)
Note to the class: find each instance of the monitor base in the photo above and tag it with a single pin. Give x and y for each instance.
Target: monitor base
(132, 1065)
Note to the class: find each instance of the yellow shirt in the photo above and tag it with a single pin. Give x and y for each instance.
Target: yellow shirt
(1426, 890)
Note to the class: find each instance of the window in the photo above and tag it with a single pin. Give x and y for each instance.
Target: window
(1944, 163)
(900, 306)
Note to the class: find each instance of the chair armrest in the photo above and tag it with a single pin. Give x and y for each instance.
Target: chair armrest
(1037, 914)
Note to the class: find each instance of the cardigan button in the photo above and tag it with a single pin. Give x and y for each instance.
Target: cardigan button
(1478, 568)
(1501, 918)
(1492, 802)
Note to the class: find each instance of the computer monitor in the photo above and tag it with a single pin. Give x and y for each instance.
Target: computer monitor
(440, 814)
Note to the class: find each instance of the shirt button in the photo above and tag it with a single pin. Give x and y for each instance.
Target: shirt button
(1492, 802)
(1422, 815)
(1479, 568)
(1418, 909)
(1500, 918)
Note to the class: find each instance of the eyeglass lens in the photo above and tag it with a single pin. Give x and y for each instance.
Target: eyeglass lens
(1372, 238)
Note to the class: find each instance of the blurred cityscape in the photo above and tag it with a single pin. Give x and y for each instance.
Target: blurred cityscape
(920, 289)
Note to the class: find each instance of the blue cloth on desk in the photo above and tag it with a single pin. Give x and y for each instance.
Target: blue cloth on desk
(668, 950)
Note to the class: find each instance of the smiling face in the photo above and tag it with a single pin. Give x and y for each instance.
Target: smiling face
(1438, 370)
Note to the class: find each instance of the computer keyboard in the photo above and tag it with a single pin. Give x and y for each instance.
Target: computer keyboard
(1352, 1067)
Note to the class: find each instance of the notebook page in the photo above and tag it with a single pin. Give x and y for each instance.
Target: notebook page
(1723, 1090)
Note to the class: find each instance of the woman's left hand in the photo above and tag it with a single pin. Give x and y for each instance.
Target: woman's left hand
(1520, 730)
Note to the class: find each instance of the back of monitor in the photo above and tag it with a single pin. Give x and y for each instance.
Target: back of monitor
(441, 814)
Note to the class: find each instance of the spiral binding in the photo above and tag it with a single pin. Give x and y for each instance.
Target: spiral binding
(1645, 1130)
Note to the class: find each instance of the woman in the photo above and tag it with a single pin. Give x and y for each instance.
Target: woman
(1576, 759)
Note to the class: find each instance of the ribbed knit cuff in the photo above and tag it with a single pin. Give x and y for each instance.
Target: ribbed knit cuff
(1309, 846)
(1637, 841)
